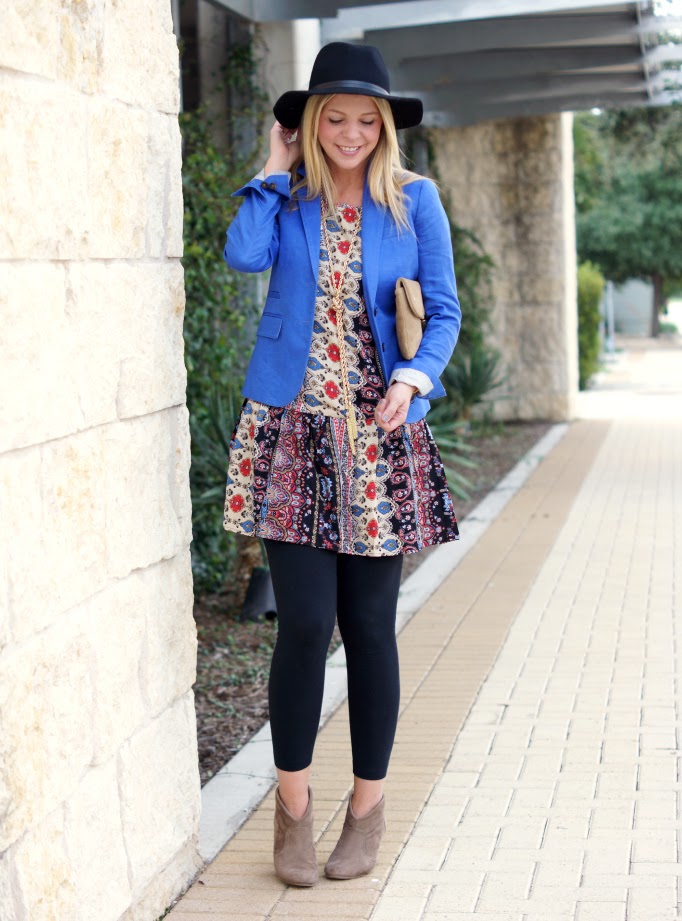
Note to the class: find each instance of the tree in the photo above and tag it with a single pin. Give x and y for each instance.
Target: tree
(629, 195)
(635, 231)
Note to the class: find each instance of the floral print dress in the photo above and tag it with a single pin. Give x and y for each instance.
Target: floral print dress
(293, 474)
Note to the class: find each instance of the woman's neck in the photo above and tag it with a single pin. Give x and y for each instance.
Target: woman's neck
(349, 185)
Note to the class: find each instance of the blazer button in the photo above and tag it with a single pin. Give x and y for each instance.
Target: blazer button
(273, 186)
(264, 185)
(376, 311)
(383, 346)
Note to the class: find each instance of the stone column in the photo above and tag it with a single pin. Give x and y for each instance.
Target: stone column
(511, 182)
(291, 49)
(99, 784)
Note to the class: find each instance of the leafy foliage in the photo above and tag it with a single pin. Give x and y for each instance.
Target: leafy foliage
(636, 228)
(215, 550)
(629, 194)
(590, 289)
(221, 307)
(471, 376)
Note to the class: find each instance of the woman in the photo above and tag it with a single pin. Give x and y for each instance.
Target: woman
(331, 461)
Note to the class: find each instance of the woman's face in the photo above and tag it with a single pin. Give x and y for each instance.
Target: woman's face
(349, 130)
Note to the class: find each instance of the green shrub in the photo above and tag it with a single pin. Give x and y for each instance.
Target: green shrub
(590, 290)
(471, 376)
(222, 306)
(215, 550)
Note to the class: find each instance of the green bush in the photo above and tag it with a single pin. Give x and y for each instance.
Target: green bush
(471, 376)
(222, 305)
(590, 290)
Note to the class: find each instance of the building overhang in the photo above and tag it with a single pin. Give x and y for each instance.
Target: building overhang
(472, 60)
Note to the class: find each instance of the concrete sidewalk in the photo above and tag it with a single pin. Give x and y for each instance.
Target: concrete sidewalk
(536, 768)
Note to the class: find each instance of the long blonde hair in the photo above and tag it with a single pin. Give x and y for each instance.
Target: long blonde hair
(386, 175)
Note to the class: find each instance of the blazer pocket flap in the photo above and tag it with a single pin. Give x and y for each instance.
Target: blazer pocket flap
(270, 325)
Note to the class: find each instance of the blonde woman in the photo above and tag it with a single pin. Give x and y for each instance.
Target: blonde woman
(332, 462)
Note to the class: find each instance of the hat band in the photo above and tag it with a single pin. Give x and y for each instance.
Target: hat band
(372, 89)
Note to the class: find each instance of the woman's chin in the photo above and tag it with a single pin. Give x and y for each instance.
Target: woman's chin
(344, 162)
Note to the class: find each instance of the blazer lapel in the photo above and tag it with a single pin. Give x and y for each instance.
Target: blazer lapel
(372, 230)
(311, 216)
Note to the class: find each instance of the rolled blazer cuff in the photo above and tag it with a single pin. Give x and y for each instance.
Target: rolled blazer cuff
(277, 182)
(276, 172)
(414, 378)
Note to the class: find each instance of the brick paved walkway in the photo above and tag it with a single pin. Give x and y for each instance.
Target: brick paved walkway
(535, 772)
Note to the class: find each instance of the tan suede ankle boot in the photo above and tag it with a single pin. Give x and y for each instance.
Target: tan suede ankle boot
(294, 851)
(356, 851)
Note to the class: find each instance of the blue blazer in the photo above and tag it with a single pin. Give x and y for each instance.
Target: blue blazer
(268, 233)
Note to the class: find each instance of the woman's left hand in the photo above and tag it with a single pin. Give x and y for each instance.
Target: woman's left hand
(392, 410)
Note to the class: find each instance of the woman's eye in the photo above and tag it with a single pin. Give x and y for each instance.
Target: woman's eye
(337, 121)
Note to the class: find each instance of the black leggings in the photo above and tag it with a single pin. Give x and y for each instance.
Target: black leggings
(313, 587)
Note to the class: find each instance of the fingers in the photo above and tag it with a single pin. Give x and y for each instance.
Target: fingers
(284, 147)
(285, 134)
(391, 412)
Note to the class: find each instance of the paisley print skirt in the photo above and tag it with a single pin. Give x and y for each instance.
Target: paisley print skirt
(292, 477)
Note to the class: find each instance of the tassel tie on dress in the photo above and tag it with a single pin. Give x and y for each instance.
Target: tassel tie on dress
(337, 281)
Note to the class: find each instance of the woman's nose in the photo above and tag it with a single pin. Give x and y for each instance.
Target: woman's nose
(352, 132)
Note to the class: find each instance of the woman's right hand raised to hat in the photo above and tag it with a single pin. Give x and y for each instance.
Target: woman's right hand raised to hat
(284, 151)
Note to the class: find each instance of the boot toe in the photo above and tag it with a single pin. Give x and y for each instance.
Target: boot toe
(301, 876)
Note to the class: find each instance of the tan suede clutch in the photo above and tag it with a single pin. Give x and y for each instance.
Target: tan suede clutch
(410, 316)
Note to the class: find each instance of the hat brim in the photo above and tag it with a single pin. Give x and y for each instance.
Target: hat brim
(407, 111)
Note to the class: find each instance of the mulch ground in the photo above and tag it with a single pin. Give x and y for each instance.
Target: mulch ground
(234, 658)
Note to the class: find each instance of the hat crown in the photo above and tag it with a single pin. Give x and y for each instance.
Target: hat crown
(358, 70)
(340, 61)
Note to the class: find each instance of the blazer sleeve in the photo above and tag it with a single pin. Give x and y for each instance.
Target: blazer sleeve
(253, 236)
(439, 287)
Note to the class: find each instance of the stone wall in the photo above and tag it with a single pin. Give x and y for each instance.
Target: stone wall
(99, 785)
(511, 182)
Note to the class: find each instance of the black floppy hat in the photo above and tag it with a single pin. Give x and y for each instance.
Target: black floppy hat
(355, 69)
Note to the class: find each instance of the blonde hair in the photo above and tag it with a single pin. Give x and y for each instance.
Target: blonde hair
(385, 176)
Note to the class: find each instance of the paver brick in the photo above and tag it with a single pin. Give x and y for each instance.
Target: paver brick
(631, 881)
(652, 904)
(467, 916)
(399, 908)
(455, 896)
(315, 910)
(552, 873)
(601, 911)
(526, 907)
(223, 914)
(648, 870)
(511, 884)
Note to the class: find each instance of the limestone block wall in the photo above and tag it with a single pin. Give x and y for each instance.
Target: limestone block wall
(99, 784)
(511, 182)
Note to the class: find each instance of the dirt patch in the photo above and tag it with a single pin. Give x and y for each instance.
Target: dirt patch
(234, 658)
